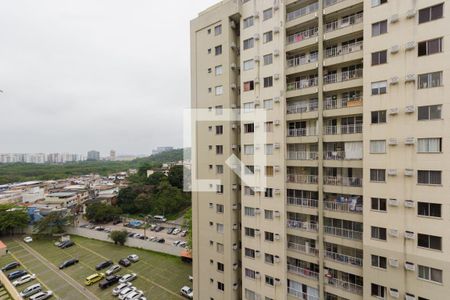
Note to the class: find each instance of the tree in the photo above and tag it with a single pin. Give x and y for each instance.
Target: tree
(143, 203)
(53, 223)
(13, 218)
(119, 236)
(102, 213)
(188, 224)
(176, 176)
(168, 199)
(155, 178)
(126, 199)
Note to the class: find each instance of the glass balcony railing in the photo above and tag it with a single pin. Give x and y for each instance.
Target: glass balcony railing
(298, 108)
(302, 155)
(302, 225)
(342, 232)
(302, 60)
(344, 259)
(338, 103)
(301, 295)
(345, 285)
(327, 3)
(342, 50)
(308, 131)
(343, 129)
(342, 76)
(343, 181)
(303, 272)
(344, 22)
(302, 35)
(343, 207)
(305, 202)
(309, 9)
(304, 179)
(302, 84)
(303, 248)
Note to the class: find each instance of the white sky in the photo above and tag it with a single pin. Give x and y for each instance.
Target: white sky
(94, 74)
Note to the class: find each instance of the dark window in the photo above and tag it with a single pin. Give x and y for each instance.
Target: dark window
(378, 2)
(379, 117)
(378, 290)
(249, 43)
(268, 193)
(268, 81)
(249, 86)
(218, 30)
(430, 112)
(220, 286)
(379, 28)
(219, 149)
(218, 50)
(379, 261)
(268, 236)
(378, 204)
(430, 47)
(430, 80)
(378, 175)
(429, 241)
(249, 128)
(429, 177)
(219, 129)
(220, 267)
(431, 13)
(379, 57)
(429, 209)
(378, 233)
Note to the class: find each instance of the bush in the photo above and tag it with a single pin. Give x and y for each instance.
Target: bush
(119, 236)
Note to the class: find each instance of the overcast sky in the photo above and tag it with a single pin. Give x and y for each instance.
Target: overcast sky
(94, 74)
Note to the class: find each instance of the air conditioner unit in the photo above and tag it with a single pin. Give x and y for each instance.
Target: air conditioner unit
(277, 192)
(394, 18)
(409, 109)
(256, 58)
(410, 235)
(276, 259)
(276, 5)
(233, 45)
(410, 13)
(409, 172)
(257, 232)
(276, 52)
(277, 213)
(409, 203)
(256, 36)
(393, 111)
(233, 106)
(211, 205)
(393, 262)
(392, 172)
(410, 78)
(410, 296)
(257, 275)
(410, 266)
(232, 24)
(393, 202)
(277, 236)
(276, 146)
(394, 293)
(257, 211)
(234, 146)
(277, 122)
(410, 45)
(256, 80)
(233, 86)
(234, 126)
(276, 168)
(276, 76)
(257, 102)
(392, 141)
(235, 206)
(276, 29)
(409, 140)
(393, 232)
(256, 15)
(235, 246)
(257, 169)
(235, 227)
(257, 253)
(234, 186)
(235, 266)
(276, 99)
(277, 281)
(394, 80)
(235, 286)
(395, 49)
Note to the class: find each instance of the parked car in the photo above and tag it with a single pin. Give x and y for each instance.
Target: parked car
(66, 244)
(152, 227)
(159, 228)
(113, 269)
(187, 292)
(84, 225)
(142, 298)
(16, 274)
(130, 234)
(133, 258)
(183, 233)
(161, 240)
(10, 266)
(90, 280)
(42, 295)
(175, 243)
(99, 228)
(176, 231)
(128, 278)
(170, 230)
(124, 262)
(91, 226)
(31, 290)
(28, 239)
(68, 263)
(159, 218)
(109, 281)
(115, 222)
(120, 287)
(107, 229)
(103, 264)
(182, 244)
(126, 291)
(134, 295)
(24, 279)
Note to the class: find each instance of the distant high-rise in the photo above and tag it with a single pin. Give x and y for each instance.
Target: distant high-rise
(112, 155)
(93, 155)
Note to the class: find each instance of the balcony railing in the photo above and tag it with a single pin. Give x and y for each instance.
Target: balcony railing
(301, 295)
(342, 232)
(303, 272)
(345, 49)
(344, 207)
(305, 202)
(302, 131)
(344, 259)
(327, 3)
(298, 108)
(342, 181)
(344, 22)
(342, 76)
(302, 155)
(302, 225)
(303, 248)
(302, 35)
(345, 285)
(305, 179)
(302, 60)
(334, 155)
(302, 84)
(343, 129)
(309, 9)
(342, 103)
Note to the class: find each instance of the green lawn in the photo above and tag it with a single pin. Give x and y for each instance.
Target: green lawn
(159, 276)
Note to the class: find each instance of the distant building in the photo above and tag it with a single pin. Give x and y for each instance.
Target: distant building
(112, 155)
(93, 155)
(161, 149)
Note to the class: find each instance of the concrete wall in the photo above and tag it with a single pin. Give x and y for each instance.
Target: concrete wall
(9, 287)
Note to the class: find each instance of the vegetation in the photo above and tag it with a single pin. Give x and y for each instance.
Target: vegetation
(12, 219)
(119, 236)
(188, 224)
(102, 213)
(53, 223)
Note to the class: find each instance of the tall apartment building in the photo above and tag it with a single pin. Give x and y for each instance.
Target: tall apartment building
(356, 202)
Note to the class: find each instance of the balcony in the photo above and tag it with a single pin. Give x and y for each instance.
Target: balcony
(303, 248)
(339, 103)
(309, 9)
(302, 225)
(305, 202)
(302, 60)
(303, 272)
(302, 107)
(345, 285)
(345, 233)
(302, 179)
(344, 22)
(302, 155)
(343, 207)
(331, 6)
(302, 35)
(344, 259)
(343, 181)
(301, 295)
(308, 131)
(343, 50)
(343, 129)
(342, 76)
(302, 84)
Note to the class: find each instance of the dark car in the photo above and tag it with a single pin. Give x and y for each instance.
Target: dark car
(159, 228)
(115, 222)
(124, 262)
(67, 244)
(68, 263)
(161, 240)
(10, 266)
(109, 281)
(103, 264)
(170, 230)
(16, 274)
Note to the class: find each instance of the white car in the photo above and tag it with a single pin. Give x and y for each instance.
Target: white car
(133, 258)
(182, 244)
(134, 295)
(42, 295)
(24, 279)
(176, 231)
(142, 298)
(123, 294)
(128, 277)
(176, 243)
(187, 292)
(116, 291)
(113, 269)
(28, 239)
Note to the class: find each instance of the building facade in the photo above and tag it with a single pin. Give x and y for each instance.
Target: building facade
(354, 203)
(93, 155)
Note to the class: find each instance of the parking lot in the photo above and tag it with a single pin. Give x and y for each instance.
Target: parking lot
(160, 276)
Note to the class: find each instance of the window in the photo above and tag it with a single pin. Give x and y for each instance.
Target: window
(268, 236)
(377, 146)
(249, 86)
(249, 128)
(268, 81)
(268, 126)
(251, 295)
(268, 149)
(249, 231)
(429, 209)
(268, 193)
(429, 145)
(249, 252)
(250, 273)
(267, 14)
(249, 43)
(269, 258)
(219, 208)
(219, 129)
(378, 204)
(220, 286)
(219, 109)
(218, 30)
(268, 214)
(209, 30)
(378, 175)
(378, 233)
(378, 291)
(267, 37)
(218, 70)
(429, 241)
(218, 90)
(379, 87)
(249, 107)
(269, 280)
(431, 13)
(219, 169)
(379, 117)
(429, 273)
(430, 112)
(430, 47)
(249, 64)
(249, 170)
(249, 211)
(379, 57)
(268, 171)
(219, 189)
(430, 80)
(220, 267)
(248, 22)
(378, 2)
(219, 149)
(248, 191)
(219, 247)
(429, 177)
(219, 228)
(379, 261)
(268, 104)
(218, 50)
(249, 149)
(379, 28)
(209, 51)
(268, 59)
